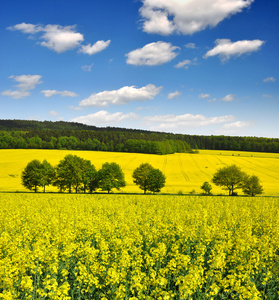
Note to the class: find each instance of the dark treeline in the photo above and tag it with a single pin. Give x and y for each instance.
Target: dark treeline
(23, 134)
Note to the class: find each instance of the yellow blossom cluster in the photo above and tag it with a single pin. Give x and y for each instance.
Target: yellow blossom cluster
(107, 247)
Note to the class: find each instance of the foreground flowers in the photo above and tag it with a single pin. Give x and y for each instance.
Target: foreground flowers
(138, 247)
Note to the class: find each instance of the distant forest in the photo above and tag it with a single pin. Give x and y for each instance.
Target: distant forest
(24, 134)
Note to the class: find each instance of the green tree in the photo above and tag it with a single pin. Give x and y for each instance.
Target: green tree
(156, 181)
(111, 176)
(230, 178)
(140, 176)
(207, 188)
(69, 173)
(88, 176)
(47, 174)
(252, 186)
(31, 176)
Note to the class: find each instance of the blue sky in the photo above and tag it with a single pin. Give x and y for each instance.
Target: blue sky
(205, 67)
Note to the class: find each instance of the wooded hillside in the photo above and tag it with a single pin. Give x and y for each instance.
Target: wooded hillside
(24, 134)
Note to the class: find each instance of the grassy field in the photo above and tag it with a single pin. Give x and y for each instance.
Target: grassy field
(184, 172)
(114, 247)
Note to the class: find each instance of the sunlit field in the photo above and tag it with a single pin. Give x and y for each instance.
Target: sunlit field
(184, 172)
(68, 246)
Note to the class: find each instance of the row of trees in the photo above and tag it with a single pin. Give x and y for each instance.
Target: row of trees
(45, 140)
(74, 173)
(52, 135)
(232, 178)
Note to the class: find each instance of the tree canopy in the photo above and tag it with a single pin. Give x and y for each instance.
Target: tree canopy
(206, 186)
(252, 186)
(111, 176)
(37, 174)
(230, 178)
(140, 176)
(149, 178)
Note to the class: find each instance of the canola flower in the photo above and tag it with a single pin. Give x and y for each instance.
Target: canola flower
(64, 247)
(184, 172)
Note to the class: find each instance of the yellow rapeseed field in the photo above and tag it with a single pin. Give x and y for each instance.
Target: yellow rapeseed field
(106, 247)
(184, 172)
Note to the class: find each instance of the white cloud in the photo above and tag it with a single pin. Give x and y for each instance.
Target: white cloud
(17, 94)
(50, 93)
(228, 98)
(25, 83)
(53, 113)
(225, 48)
(123, 95)
(191, 46)
(75, 108)
(204, 96)
(87, 68)
(174, 95)
(152, 54)
(235, 127)
(60, 38)
(97, 47)
(26, 28)
(176, 122)
(183, 64)
(187, 16)
(186, 63)
(269, 79)
(104, 118)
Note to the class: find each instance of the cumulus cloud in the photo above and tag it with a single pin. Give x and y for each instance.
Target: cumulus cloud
(60, 38)
(191, 46)
(53, 113)
(204, 96)
(187, 16)
(232, 128)
(224, 48)
(17, 94)
(228, 98)
(269, 79)
(186, 63)
(104, 118)
(50, 93)
(26, 28)
(97, 47)
(25, 83)
(174, 95)
(152, 54)
(123, 95)
(183, 64)
(176, 122)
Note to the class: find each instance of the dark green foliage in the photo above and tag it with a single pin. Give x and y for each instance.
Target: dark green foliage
(207, 188)
(111, 176)
(23, 134)
(140, 176)
(88, 177)
(156, 181)
(252, 186)
(69, 173)
(230, 178)
(148, 178)
(37, 174)
(31, 175)
(47, 174)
